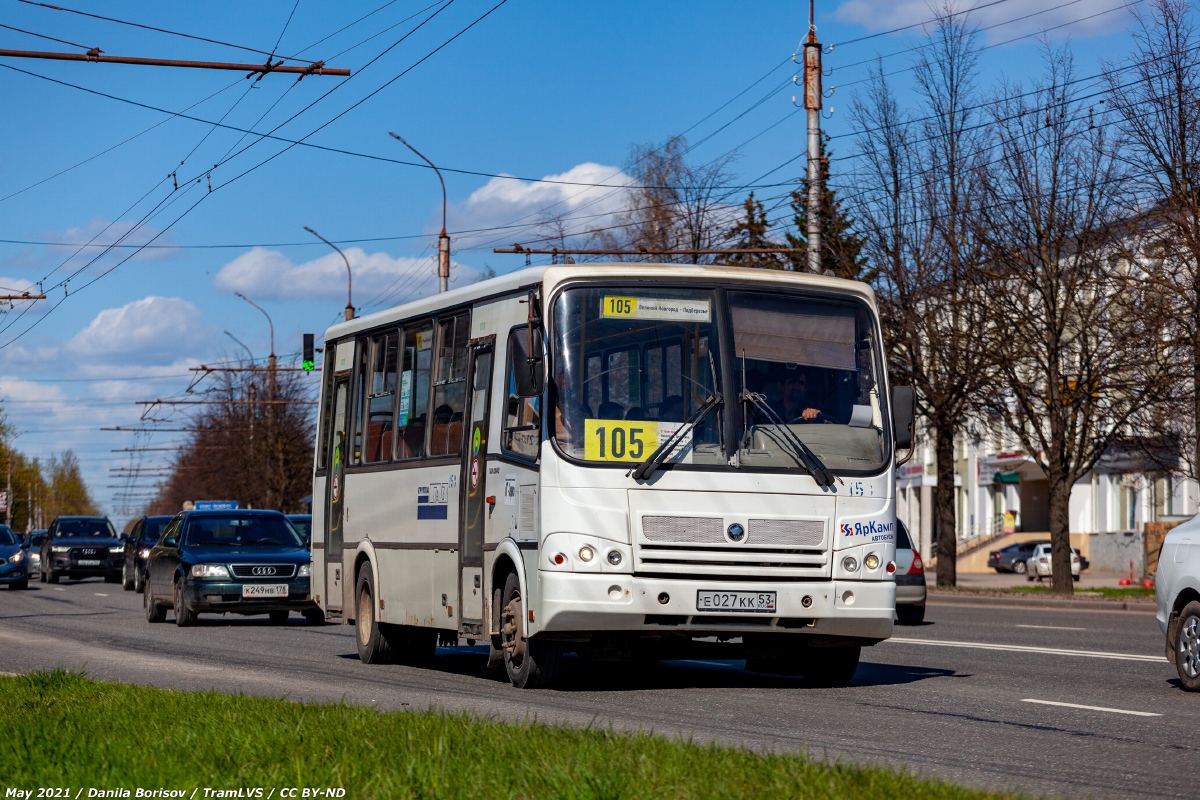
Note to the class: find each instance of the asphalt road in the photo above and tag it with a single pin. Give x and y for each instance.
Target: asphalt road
(951, 698)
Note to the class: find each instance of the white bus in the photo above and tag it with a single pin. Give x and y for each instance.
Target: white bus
(617, 460)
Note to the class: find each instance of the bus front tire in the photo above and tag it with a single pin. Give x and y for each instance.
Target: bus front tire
(530, 663)
(830, 666)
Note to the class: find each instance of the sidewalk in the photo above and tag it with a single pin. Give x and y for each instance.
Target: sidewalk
(991, 590)
(1007, 580)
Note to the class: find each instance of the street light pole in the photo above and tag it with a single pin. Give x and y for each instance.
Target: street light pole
(349, 312)
(443, 237)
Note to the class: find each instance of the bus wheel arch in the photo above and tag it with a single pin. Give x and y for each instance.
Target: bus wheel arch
(361, 558)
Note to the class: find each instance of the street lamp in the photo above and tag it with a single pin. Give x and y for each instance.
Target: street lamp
(443, 237)
(349, 312)
(265, 314)
(243, 344)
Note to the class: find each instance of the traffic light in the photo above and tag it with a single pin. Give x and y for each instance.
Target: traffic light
(308, 362)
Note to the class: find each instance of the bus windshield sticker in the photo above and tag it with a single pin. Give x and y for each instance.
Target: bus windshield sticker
(631, 441)
(405, 397)
(424, 340)
(656, 308)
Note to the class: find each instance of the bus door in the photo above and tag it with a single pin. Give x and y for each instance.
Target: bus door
(473, 513)
(335, 491)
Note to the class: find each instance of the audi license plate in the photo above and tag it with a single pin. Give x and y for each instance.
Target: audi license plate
(264, 590)
(752, 602)
(88, 562)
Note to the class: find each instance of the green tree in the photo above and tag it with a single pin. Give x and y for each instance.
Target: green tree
(752, 232)
(68, 494)
(841, 247)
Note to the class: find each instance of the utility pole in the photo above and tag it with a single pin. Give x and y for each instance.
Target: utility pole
(443, 237)
(8, 501)
(812, 104)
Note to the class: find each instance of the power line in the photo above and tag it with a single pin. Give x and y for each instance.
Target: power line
(915, 24)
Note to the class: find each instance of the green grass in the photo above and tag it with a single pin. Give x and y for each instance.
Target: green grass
(1106, 591)
(76, 732)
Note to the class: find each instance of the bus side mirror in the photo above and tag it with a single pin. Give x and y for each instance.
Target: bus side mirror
(904, 411)
(529, 366)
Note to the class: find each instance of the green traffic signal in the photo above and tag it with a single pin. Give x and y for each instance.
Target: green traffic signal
(308, 366)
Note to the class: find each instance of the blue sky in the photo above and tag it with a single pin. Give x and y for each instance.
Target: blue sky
(536, 89)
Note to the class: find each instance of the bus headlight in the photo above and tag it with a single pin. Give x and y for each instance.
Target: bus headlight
(614, 557)
(586, 554)
(871, 561)
(850, 564)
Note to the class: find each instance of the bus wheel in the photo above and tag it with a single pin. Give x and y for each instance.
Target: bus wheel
(530, 663)
(830, 666)
(374, 647)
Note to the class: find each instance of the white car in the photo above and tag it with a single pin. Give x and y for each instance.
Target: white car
(1177, 592)
(1039, 563)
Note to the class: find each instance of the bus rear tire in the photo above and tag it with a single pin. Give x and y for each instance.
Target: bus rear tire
(830, 666)
(374, 643)
(530, 663)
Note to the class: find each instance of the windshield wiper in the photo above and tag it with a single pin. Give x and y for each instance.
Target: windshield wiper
(648, 467)
(805, 456)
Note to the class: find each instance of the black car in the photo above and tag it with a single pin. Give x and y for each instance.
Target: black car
(81, 547)
(303, 523)
(142, 536)
(240, 562)
(1013, 557)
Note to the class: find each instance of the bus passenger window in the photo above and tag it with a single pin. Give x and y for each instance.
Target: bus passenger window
(381, 391)
(449, 390)
(360, 390)
(414, 391)
(522, 419)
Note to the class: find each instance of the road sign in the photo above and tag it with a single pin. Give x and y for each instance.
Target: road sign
(217, 505)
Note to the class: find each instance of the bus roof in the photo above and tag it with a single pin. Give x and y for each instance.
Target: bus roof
(551, 276)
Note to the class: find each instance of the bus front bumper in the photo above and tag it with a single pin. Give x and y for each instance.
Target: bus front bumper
(574, 602)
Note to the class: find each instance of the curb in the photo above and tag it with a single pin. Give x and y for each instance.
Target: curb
(936, 598)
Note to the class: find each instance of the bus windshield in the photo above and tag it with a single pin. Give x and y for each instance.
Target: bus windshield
(631, 365)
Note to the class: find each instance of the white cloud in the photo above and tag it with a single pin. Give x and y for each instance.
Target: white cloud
(504, 201)
(270, 275)
(151, 331)
(879, 15)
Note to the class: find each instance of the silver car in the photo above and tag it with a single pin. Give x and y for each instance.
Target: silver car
(1039, 563)
(1177, 592)
(910, 580)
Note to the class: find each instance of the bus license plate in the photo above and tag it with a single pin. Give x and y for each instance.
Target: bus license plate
(752, 602)
(264, 590)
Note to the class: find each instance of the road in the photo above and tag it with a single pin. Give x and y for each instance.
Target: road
(951, 699)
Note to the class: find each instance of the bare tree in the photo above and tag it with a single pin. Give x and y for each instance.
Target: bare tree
(1155, 95)
(918, 220)
(244, 449)
(673, 204)
(1083, 335)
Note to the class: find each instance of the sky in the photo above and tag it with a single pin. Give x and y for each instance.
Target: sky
(525, 106)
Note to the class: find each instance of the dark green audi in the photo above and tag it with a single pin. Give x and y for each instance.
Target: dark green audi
(223, 562)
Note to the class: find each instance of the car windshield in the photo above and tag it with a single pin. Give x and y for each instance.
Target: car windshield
(152, 531)
(631, 366)
(85, 528)
(303, 526)
(241, 530)
(7, 537)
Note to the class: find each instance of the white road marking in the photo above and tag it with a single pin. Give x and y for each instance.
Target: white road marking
(1016, 648)
(100, 594)
(58, 589)
(1051, 628)
(1093, 708)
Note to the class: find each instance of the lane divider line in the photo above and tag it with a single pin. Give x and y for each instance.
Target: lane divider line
(1051, 628)
(1016, 648)
(1093, 708)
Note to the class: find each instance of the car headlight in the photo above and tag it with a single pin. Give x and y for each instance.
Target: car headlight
(60, 549)
(16, 558)
(144, 552)
(210, 571)
(120, 549)
(304, 571)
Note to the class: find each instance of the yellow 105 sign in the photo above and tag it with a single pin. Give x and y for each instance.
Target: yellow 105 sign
(613, 306)
(619, 440)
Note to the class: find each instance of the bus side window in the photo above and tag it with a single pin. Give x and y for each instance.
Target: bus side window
(360, 385)
(449, 390)
(411, 417)
(381, 391)
(522, 419)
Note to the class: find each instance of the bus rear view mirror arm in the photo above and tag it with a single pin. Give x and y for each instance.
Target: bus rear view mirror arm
(525, 344)
(904, 412)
